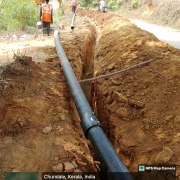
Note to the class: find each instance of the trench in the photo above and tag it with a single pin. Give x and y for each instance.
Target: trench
(88, 72)
(121, 44)
(93, 95)
(128, 102)
(92, 91)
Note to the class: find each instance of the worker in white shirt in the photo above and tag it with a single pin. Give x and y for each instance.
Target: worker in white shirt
(102, 5)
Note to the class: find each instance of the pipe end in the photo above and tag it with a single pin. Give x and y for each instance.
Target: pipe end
(72, 27)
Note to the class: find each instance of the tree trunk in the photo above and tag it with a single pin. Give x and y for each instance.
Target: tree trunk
(59, 2)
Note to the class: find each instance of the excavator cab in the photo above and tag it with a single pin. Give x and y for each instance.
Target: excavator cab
(39, 2)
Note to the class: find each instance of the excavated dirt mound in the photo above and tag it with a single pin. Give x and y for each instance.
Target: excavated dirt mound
(37, 115)
(139, 108)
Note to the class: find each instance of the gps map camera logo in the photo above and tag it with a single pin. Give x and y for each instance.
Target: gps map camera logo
(141, 168)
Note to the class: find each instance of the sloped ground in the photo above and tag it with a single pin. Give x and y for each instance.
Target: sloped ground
(35, 96)
(139, 108)
(164, 13)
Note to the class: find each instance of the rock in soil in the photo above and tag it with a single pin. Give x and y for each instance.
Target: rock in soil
(119, 97)
(77, 170)
(137, 104)
(177, 119)
(68, 167)
(164, 155)
(58, 168)
(47, 130)
(74, 163)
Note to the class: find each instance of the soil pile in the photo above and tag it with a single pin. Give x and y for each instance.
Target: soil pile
(139, 108)
(39, 125)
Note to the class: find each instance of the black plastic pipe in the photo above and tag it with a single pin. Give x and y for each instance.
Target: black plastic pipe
(72, 23)
(90, 124)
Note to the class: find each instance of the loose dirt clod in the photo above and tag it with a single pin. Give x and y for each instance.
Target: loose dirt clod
(75, 165)
(78, 170)
(164, 156)
(58, 168)
(47, 130)
(68, 167)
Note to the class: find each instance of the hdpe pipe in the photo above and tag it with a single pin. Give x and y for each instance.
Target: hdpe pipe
(72, 24)
(90, 124)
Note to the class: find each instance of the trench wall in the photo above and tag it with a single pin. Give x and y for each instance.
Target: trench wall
(138, 108)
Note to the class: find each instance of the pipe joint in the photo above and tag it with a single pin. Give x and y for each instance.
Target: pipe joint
(90, 120)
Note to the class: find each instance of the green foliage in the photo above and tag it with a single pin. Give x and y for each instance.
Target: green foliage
(84, 3)
(114, 4)
(18, 14)
(62, 9)
(134, 4)
(118, 2)
(111, 5)
(59, 16)
(95, 3)
(3, 24)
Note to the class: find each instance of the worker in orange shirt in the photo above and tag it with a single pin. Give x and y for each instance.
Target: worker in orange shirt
(46, 11)
(74, 5)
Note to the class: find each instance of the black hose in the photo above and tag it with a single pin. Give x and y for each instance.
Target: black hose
(90, 123)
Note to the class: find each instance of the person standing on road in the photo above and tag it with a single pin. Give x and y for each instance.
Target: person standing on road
(102, 5)
(46, 11)
(74, 5)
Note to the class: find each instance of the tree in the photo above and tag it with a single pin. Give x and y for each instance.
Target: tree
(19, 14)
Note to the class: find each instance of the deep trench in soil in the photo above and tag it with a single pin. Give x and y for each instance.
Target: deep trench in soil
(91, 93)
(135, 107)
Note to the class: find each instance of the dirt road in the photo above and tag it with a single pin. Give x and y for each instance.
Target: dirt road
(164, 34)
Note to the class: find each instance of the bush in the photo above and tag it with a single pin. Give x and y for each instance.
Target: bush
(59, 14)
(95, 3)
(18, 14)
(111, 5)
(118, 2)
(3, 24)
(114, 5)
(134, 4)
(62, 8)
(84, 3)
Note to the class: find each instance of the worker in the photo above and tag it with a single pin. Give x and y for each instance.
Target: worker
(102, 5)
(74, 5)
(46, 11)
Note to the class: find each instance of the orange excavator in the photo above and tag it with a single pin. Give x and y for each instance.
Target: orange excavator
(39, 1)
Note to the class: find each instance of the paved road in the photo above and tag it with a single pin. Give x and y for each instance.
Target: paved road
(164, 34)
